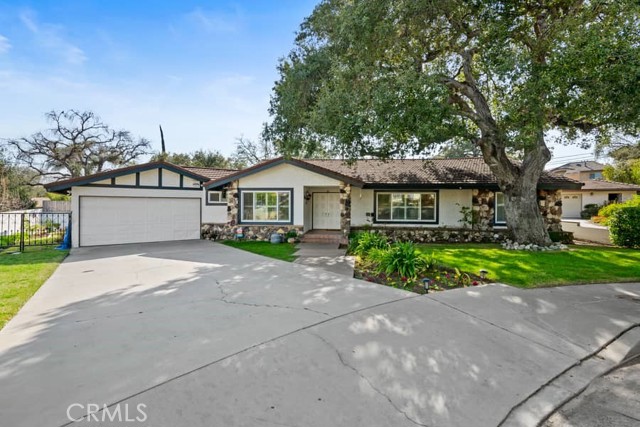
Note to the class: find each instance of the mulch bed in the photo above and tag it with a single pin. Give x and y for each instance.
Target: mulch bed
(441, 280)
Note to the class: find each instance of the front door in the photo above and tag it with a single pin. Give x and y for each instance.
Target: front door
(326, 211)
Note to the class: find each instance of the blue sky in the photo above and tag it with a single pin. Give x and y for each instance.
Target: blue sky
(202, 70)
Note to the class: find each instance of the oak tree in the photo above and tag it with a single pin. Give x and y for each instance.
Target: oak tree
(392, 78)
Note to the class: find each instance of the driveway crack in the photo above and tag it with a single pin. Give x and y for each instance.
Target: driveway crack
(367, 380)
(225, 296)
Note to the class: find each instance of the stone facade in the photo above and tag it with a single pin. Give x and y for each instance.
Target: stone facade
(482, 209)
(251, 232)
(438, 235)
(481, 228)
(233, 204)
(550, 203)
(345, 208)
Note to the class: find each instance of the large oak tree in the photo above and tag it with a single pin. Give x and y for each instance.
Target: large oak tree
(387, 78)
(78, 143)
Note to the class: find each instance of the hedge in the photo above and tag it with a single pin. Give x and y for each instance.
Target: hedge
(624, 227)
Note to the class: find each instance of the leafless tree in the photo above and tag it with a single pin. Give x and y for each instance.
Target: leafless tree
(76, 144)
(250, 152)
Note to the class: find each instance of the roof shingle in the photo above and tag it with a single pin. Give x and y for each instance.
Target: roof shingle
(471, 170)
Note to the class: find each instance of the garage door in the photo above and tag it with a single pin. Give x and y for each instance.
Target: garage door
(571, 205)
(118, 220)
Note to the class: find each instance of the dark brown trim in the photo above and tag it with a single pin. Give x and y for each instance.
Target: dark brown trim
(266, 190)
(66, 184)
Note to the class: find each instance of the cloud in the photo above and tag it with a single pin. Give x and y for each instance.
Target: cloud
(215, 22)
(4, 44)
(50, 37)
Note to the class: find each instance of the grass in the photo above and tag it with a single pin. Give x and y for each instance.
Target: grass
(21, 275)
(579, 265)
(281, 251)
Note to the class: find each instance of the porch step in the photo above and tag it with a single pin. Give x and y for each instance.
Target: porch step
(324, 237)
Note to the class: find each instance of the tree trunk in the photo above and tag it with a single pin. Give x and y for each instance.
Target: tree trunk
(519, 183)
(524, 221)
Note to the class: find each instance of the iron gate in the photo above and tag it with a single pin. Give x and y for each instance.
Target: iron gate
(21, 229)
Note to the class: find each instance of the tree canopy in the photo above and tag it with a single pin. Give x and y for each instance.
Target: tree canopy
(388, 78)
(77, 144)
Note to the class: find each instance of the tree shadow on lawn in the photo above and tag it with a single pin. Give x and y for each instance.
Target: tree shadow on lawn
(530, 269)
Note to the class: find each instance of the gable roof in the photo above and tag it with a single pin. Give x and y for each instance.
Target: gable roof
(267, 164)
(583, 166)
(454, 173)
(211, 173)
(66, 184)
(601, 185)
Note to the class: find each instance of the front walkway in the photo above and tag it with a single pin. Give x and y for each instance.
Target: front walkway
(203, 334)
(327, 256)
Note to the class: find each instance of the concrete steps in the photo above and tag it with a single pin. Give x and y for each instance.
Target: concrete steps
(321, 236)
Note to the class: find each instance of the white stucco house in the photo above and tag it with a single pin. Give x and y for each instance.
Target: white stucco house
(415, 199)
(595, 191)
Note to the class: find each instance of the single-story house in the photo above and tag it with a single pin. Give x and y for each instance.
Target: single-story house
(423, 200)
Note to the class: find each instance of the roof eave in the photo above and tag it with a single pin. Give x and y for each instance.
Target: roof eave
(279, 161)
(65, 185)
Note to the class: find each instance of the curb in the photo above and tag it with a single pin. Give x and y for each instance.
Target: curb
(539, 406)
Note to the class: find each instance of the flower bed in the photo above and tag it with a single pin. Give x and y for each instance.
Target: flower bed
(401, 265)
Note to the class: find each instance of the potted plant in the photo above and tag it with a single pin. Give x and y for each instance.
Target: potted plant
(292, 236)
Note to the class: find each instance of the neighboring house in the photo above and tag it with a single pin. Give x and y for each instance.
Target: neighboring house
(422, 200)
(594, 191)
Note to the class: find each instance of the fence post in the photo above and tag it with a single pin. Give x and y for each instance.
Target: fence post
(22, 232)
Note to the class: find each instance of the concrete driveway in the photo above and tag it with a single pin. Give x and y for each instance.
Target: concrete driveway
(200, 334)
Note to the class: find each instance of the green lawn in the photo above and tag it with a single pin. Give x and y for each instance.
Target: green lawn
(281, 251)
(579, 265)
(22, 274)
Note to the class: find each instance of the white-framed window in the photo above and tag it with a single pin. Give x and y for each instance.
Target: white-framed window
(266, 206)
(407, 206)
(499, 212)
(215, 197)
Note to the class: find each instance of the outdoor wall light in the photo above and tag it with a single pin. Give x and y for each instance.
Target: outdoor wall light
(483, 274)
(307, 195)
(426, 283)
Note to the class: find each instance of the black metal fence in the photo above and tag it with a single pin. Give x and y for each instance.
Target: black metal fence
(22, 229)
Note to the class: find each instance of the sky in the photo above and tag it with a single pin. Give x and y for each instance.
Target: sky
(203, 70)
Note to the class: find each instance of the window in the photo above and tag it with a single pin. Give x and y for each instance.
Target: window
(595, 175)
(406, 207)
(500, 214)
(215, 197)
(266, 206)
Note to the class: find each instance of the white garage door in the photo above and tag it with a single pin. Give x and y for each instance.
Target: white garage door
(571, 205)
(118, 220)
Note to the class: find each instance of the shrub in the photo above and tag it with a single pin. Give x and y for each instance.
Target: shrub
(607, 211)
(362, 243)
(402, 258)
(291, 234)
(624, 226)
(589, 211)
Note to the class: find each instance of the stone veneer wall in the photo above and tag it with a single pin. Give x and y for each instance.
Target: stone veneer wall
(437, 235)
(251, 232)
(482, 206)
(550, 203)
(345, 208)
